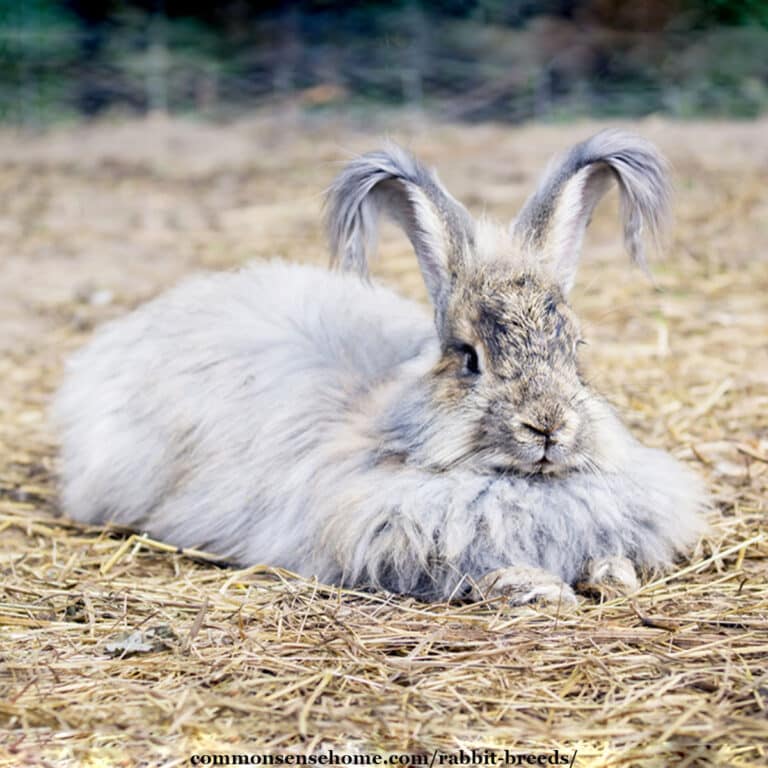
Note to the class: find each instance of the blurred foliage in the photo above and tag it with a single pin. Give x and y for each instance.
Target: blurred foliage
(464, 59)
(741, 12)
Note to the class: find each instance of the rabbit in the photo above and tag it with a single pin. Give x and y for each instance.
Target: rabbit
(314, 419)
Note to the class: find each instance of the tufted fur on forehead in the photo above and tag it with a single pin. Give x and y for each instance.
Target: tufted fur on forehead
(518, 317)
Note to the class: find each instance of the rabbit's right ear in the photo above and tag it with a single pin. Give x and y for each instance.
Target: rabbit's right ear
(392, 181)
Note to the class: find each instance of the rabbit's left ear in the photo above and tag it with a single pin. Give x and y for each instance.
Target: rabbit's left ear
(553, 220)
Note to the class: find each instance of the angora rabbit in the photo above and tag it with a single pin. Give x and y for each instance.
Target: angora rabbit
(314, 420)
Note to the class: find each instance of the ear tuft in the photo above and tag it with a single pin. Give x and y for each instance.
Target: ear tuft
(555, 217)
(391, 181)
(357, 197)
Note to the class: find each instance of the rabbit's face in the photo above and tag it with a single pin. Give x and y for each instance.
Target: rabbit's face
(509, 366)
(505, 393)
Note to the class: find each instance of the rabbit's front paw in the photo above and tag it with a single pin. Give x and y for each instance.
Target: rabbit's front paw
(524, 584)
(609, 577)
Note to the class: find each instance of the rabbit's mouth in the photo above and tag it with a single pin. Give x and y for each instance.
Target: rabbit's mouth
(543, 466)
(546, 466)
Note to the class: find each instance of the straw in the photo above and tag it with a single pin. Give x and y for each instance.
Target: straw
(116, 649)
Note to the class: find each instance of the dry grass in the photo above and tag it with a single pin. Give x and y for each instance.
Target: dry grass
(97, 220)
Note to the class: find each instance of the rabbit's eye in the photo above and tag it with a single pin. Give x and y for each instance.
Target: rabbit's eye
(469, 358)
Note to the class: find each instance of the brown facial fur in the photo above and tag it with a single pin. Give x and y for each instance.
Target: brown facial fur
(526, 402)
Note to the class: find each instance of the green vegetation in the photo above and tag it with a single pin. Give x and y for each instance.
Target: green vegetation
(469, 60)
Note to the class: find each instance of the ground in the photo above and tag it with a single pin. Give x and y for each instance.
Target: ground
(96, 219)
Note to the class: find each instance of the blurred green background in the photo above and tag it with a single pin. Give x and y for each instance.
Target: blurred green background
(465, 60)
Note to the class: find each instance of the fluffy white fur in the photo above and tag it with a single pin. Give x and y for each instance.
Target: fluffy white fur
(309, 419)
(238, 413)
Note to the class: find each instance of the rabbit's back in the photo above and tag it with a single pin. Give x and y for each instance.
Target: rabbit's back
(202, 414)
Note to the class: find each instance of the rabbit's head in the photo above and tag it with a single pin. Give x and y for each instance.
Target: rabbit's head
(506, 392)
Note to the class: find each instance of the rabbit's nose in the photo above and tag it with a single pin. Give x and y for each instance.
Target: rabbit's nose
(548, 428)
(538, 429)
